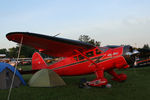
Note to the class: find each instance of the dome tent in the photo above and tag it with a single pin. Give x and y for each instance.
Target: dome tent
(6, 74)
(46, 78)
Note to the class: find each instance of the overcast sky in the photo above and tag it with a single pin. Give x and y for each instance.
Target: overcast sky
(112, 22)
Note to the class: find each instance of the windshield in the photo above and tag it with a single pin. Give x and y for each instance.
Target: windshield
(104, 49)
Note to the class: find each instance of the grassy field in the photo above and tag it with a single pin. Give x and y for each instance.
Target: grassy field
(137, 87)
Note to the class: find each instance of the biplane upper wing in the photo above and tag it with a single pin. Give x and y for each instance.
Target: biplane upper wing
(49, 45)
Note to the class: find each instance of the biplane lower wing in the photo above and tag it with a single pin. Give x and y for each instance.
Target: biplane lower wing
(50, 45)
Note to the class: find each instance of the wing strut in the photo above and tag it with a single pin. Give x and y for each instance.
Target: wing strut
(12, 82)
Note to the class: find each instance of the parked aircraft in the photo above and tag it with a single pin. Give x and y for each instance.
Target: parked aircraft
(143, 59)
(79, 57)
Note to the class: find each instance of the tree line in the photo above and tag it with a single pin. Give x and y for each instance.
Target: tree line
(27, 52)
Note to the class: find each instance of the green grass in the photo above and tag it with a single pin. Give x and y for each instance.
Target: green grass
(25, 67)
(137, 87)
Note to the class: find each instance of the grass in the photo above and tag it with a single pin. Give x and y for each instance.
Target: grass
(137, 87)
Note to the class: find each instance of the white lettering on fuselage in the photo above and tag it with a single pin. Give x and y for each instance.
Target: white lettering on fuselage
(115, 53)
(109, 54)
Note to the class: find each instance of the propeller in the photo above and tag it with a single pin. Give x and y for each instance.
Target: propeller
(130, 54)
(134, 52)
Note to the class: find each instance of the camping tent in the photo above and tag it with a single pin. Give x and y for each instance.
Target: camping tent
(6, 74)
(46, 78)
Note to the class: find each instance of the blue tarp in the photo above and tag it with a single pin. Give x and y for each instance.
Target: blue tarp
(5, 65)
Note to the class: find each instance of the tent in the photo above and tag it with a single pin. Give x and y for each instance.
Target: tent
(6, 74)
(46, 78)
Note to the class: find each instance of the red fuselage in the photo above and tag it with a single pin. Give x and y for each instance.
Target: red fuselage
(105, 58)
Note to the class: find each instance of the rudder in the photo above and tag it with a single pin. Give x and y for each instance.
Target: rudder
(38, 62)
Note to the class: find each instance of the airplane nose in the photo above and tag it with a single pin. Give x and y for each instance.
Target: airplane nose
(135, 52)
(130, 54)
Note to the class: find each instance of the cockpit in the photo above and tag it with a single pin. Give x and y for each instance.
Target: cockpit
(88, 54)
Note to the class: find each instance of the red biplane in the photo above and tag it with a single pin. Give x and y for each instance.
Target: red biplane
(79, 57)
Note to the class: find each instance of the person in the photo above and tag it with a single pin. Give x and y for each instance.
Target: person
(84, 83)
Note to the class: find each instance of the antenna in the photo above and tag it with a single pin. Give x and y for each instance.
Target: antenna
(56, 35)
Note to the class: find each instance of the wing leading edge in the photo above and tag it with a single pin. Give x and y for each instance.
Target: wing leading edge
(53, 46)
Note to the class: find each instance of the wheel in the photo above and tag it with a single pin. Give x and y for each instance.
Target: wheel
(108, 85)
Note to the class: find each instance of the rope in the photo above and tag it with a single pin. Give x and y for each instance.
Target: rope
(20, 45)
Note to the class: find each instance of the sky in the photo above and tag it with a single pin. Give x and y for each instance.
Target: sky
(112, 22)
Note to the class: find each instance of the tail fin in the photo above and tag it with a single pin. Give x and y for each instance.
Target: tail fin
(38, 62)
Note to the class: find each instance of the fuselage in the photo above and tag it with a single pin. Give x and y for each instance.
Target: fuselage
(104, 57)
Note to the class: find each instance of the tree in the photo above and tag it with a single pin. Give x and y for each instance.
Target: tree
(12, 52)
(26, 52)
(4, 51)
(84, 38)
(146, 46)
(87, 39)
